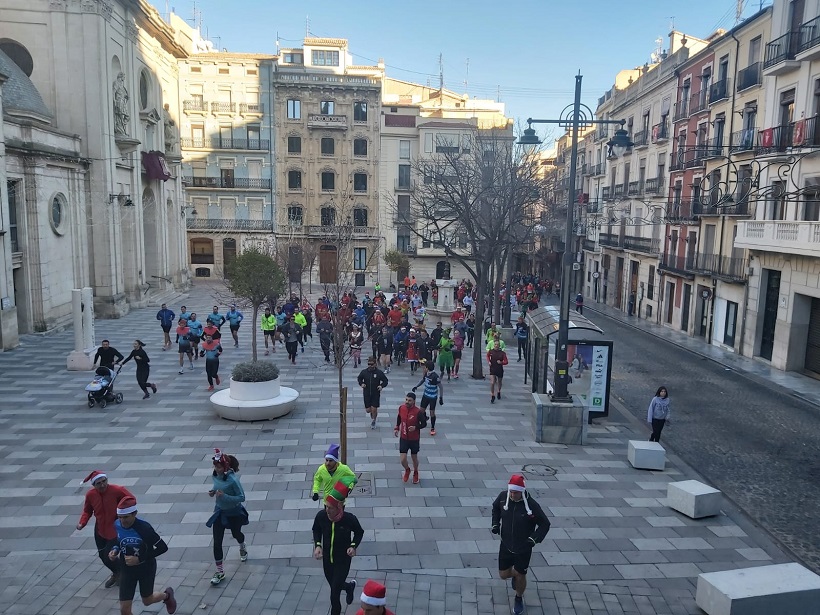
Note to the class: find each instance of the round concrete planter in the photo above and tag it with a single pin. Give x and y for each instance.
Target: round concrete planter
(254, 401)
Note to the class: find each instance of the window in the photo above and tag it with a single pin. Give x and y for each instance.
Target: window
(253, 136)
(327, 107)
(403, 208)
(196, 69)
(251, 71)
(224, 71)
(294, 109)
(360, 259)
(462, 241)
(295, 215)
(293, 58)
(360, 147)
(360, 182)
(360, 111)
(12, 190)
(328, 146)
(360, 216)
(294, 145)
(730, 324)
(811, 202)
(754, 50)
(328, 215)
(402, 242)
(145, 90)
(58, 213)
(428, 143)
(227, 177)
(404, 176)
(328, 180)
(650, 286)
(321, 57)
(447, 144)
(294, 180)
(404, 150)
(777, 201)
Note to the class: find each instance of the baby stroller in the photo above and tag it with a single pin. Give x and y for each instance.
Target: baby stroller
(101, 389)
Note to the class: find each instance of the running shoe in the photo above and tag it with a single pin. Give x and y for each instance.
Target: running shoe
(518, 605)
(432, 432)
(154, 388)
(218, 380)
(217, 578)
(349, 589)
(373, 424)
(406, 475)
(211, 388)
(499, 395)
(181, 372)
(492, 399)
(415, 477)
(243, 554)
(146, 396)
(170, 601)
(191, 367)
(113, 580)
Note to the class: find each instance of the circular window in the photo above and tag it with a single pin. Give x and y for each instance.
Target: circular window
(58, 214)
(144, 90)
(19, 55)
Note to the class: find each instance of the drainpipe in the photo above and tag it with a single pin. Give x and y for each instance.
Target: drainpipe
(271, 162)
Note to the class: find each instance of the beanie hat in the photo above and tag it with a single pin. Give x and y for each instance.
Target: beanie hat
(127, 505)
(517, 484)
(333, 453)
(94, 477)
(337, 495)
(373, 593)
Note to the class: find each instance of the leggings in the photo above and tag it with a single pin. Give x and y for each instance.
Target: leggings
(142, 378)
(522, 347)
(235, 525)
(211, 369)
(292, 347)
(104, 546)
(657, 427)
(336, 575)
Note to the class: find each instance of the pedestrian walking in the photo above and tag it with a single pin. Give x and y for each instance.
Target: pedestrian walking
(107, 355)
(329, 473)
(101, 503)
(356, 339)
(269, 330)
(166, 321)
(410, 420)
(183, 340)
(292, 333)
(497, 359)
(372, 380)
(234, 318)
(143, 367)
(229, 513)
(630, 306)
(325, 331)
(336, 536)
(211, 349)
(136, 550)
(373, 599)
(522, 333)
(579, 303)
(433, 391)
(658, 413)
(197, 332)
(522, 524)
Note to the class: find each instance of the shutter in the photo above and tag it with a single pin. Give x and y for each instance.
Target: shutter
(813, 342)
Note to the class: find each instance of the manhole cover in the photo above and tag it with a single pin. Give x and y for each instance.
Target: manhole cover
(365, 484)
(538, 469)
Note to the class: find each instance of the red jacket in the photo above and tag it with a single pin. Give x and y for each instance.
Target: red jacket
(408, 417)
(104, 508)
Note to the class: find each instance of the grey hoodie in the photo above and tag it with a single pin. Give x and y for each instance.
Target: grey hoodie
(658, 409)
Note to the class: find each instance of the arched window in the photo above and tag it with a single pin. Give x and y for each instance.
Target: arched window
(18, 54)
(202, 252)
(145, 90)
(443, 270)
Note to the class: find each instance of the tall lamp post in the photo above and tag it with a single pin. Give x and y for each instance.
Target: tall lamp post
(574, 117)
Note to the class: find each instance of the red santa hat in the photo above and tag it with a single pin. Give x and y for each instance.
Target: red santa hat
(95, 476)
(517, 484)
(373, 593)
(127, 505)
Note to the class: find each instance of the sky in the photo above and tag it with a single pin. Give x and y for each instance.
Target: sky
(525, 53)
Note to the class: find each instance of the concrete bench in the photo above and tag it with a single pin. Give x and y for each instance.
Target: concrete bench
(646, 455)
(789, 589)
(693, 499)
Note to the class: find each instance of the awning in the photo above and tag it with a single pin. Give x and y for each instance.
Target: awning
(545, 319)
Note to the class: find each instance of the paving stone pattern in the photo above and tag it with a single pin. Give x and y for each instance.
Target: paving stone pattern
(614, 546)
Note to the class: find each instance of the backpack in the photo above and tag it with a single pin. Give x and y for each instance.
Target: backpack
(421, 419)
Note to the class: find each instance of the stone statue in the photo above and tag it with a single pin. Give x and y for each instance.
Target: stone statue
(121, 117)
(170, 130)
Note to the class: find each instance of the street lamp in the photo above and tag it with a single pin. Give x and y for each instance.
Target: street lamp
(574, 117)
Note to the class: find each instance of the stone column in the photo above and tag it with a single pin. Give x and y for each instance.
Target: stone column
(82, 311)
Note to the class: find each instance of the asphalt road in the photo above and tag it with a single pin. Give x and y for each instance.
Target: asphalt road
(758, 445)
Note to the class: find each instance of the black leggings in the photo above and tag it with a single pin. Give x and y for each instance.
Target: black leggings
(211, 369)
(292, 347)
(235, 524)
(336, 575)
(522, 347)
(657, 428)
(142, 378)
(104, 546)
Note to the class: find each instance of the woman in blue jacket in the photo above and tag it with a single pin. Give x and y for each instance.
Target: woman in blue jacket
(229, 513)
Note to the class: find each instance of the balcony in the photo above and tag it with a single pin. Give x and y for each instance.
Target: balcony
(597, 170)
(402, 185)
(196, 105)
(731, 268)
(226, 224)
(218, 143)
(251, 109)
(620, 190)
(605, 193)
(696, 157)
(681, 111)
(779, 56)
(610, 240)
(594, 207)
(719, 90)
(809, 47)
(227, 183)
(590, 245)
(660, 132)
(713, 148)
(779, 236)
(635, 188)
(798, 134)
(677, 264)
(647, 245)
(654, 185)
(681, 211)
(601, 133)
(743, 140)
(676, 160)
(641, 139)
(223, 108)
(698, 102)
(739, 207)
(748, 77)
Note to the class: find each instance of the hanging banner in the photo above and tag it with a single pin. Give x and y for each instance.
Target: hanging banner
(799, 133)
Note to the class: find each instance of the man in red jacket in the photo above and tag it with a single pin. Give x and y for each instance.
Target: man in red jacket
(373, 599)
(101, 502)
(408, 430)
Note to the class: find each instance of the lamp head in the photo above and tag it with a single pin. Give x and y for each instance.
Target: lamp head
(620, 142)
(529, 140)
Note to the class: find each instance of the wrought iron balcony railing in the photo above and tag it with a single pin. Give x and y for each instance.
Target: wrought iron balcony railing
(660, 131)
(781, 49)
(219, 143)
(227, 224)
(748, 77)
(241, 183)
(719, 90)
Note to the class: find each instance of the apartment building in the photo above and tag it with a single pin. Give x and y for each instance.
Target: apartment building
(226, 142)
(782, 316)
(326, 146)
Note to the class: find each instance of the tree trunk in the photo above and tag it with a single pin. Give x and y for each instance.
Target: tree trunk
(478, 343)
(499, 277)
(253, 331)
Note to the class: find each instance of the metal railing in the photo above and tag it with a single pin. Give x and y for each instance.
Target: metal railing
(642, 244)
(677, 160)
(601, 133)
(729, 267)
(654, 185)
(680, 211)
(635, 187)
(678, 263)
(743, 140)
(698, 101)
(220, 224)
(251, 108)
(590, 245)
(748, 77)
(681, 111)
(219, 143)
(660, 131)
(809, 35)
(223, 107)
(195, 105)
(609, 239)
(593, 207)
(242, 183)
(404, 185)
(640, 139)
(620, 190)
(781, 49)
(719, 90)
(605, 191)
(714, 147)
(597, 169)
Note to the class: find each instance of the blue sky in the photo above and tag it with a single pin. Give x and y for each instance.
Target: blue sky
(529, 51)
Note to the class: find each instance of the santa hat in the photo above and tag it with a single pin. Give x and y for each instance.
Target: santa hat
(373, 593)
(333, 453)
(338, 494)
(517, 484)
(127, 505)
(95, 476)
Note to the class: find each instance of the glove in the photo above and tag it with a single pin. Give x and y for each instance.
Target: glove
(496, 530)
(315, 497)
(414, 389)
(441, 401)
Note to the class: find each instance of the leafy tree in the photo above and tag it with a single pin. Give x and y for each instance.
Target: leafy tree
(396, 260)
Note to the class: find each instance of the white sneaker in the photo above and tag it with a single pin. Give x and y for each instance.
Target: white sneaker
(373, 424)
(181, 371)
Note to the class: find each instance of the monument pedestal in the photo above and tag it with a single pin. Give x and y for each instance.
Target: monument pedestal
(80, 360)
(559, 423)
(82, 309)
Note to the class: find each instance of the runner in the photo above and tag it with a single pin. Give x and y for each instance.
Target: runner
(184, 341)
(292, 333)
(445, 354)
(458, 349)
(234, 317)
(269, 330)
(300, 320)
(197, 331)
(497, 359)
(413, 351)
(433, 389)
(212, 349)
(329, 472)
(409, 422)
(356, 339)
(212, 330)
(372, 380)
(229, 513)
(384, 348)
(373, 599)
(281, 319)
(137, 548)
(216, 318)
(522, 332)
(522, 524)
(101, 502)
(325, 331)
(183, 313)
(143, 368)
(166, 321)
(435, 336)
(106, 355)
(336, 536)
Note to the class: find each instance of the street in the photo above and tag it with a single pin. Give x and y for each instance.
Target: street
(759, 446)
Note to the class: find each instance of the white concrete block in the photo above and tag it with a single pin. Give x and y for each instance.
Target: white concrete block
(646, 455)
(788, 589)
(693, 498)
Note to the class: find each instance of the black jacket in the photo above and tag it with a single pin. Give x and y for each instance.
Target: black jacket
(372, 380)
(520, 531)
(385, 344)
(107, 356)
(335, 541)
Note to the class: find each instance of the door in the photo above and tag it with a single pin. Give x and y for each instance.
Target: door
(619, 283)
(703, 311)
(328, 265)
(687, 299)
(228, 254)
(813, 343)
(731, 324)
(670, 301)
(770, 314)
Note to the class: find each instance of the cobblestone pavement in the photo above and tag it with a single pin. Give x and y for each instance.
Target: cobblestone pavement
(753, 441)
(614, 547)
